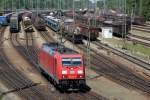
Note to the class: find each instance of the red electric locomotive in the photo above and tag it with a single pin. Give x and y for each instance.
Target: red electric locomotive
(64, 65)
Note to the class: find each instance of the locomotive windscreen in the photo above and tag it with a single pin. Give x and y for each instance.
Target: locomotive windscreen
(71, 61)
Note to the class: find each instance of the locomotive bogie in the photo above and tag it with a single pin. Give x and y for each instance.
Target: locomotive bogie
(38, 22)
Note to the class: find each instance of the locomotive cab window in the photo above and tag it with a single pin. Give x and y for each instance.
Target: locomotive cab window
(71, 61)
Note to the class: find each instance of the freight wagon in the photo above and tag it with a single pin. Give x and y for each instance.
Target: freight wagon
(64, 66)
(71, 31)
(68, 29)
(115, 15)
(120, 28)
(38, 22)
(88, 25)
(91, 33)
(137, 20)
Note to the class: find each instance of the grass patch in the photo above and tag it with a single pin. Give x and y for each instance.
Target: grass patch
(140, 33)
(119, 43)
(139, 48)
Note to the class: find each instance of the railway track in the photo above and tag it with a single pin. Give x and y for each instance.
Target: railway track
(139, 39)
(40, 93)
(46, 36)
(124, 55)
(33, 91)
(10, 76)
(2, 29)
(89, 95)
(117, 72)
(16, 82)
(145, 28)
(147, 23)
(30, 53)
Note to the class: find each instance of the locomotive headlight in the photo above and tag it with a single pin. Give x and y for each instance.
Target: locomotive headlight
(64, 71)
(80, 71)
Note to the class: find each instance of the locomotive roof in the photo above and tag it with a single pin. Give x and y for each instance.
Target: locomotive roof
(59, 48)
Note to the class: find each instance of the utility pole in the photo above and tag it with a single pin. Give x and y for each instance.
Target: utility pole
(37, 7)
(104, 5)
(88, 46)
(60, 23)
(132, 18)
(32, 4)
(73, 19)
(140, 8)
(4, 7)
(125, 26)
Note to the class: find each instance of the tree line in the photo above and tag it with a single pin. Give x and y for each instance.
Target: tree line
(137, 7)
